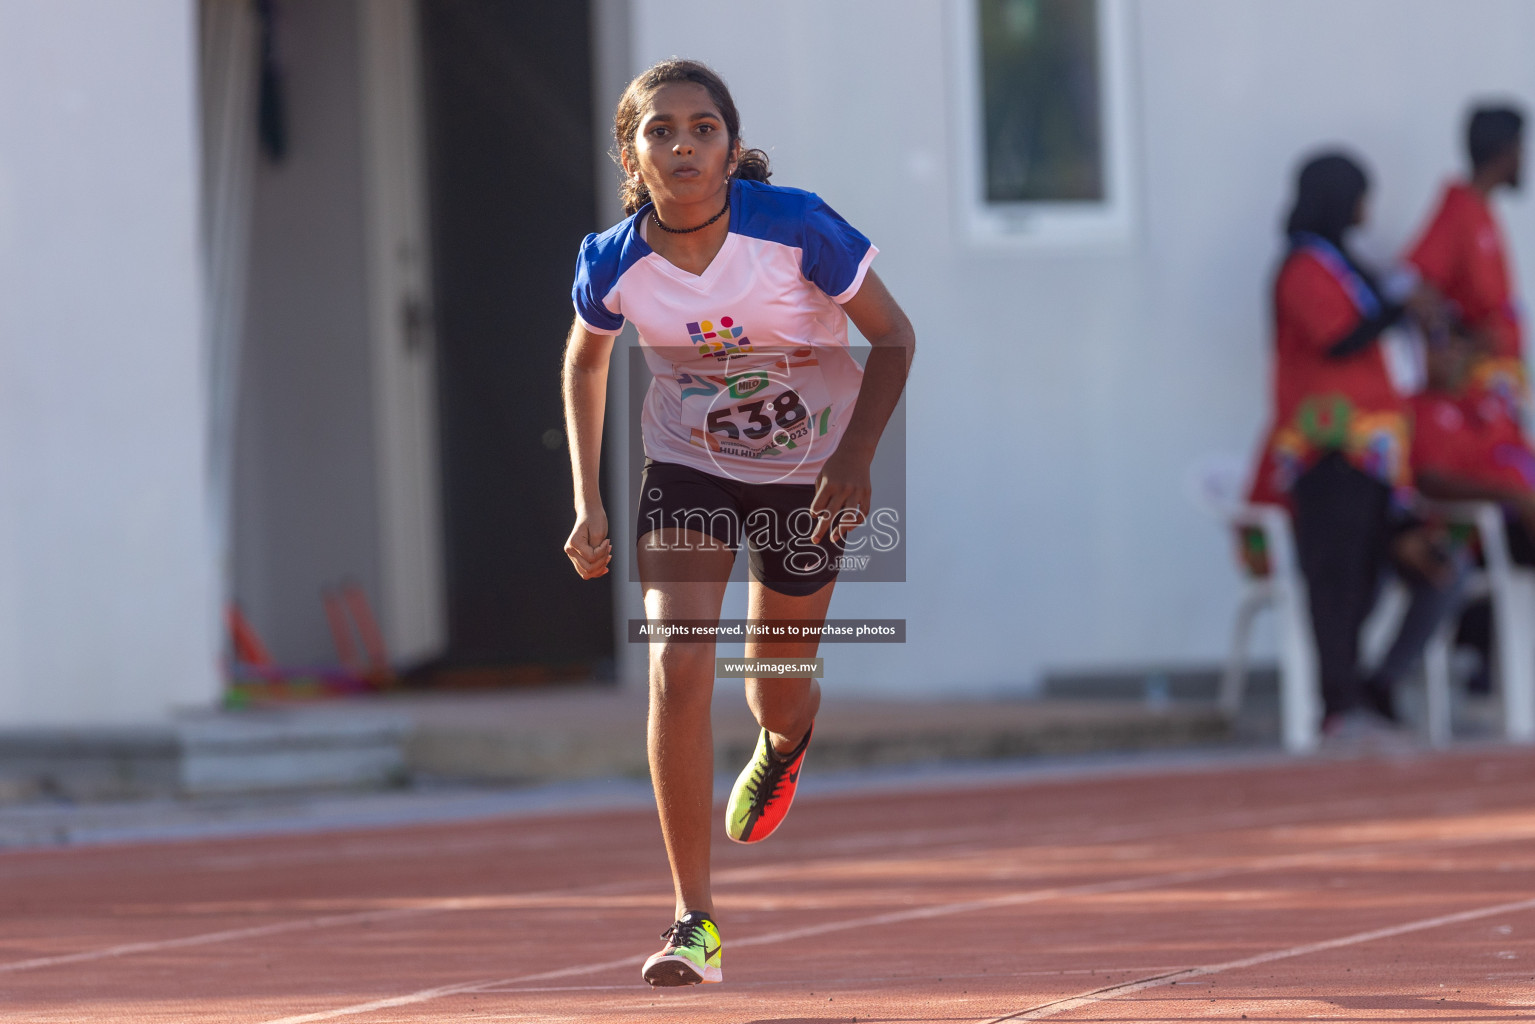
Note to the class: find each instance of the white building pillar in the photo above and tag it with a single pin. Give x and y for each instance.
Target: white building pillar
(108, 610)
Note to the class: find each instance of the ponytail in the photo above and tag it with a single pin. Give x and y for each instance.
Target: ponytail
(753, 166)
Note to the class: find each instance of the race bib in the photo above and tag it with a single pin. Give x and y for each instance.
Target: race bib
(768, 406)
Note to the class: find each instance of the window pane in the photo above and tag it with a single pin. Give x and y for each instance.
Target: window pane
(1039, 66)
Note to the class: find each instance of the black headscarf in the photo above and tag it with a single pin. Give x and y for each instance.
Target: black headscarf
(1327, 194)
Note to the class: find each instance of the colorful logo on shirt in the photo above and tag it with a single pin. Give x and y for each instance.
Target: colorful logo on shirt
(1375, 442)
(719, 339)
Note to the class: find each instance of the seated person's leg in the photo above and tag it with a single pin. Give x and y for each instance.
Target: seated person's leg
(1432, 603)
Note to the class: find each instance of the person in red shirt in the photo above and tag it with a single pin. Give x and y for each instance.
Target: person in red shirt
(1338, 451)
(1462, 254)
(1464, 445)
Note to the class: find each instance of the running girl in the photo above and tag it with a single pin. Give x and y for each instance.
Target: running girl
(758, 426)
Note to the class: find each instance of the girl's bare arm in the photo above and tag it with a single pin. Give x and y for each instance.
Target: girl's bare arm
(584, 383)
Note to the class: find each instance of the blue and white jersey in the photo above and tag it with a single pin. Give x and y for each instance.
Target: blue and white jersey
(753, 379)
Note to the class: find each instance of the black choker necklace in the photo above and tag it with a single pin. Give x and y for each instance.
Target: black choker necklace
(688, 231)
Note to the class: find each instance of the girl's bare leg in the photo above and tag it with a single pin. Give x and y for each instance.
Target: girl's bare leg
(785, 707)
(684, 575)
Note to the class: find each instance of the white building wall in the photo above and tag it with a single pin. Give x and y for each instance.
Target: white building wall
(107, 603)
(1060, 395)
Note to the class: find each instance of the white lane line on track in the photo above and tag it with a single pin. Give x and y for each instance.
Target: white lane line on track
(462, 988)
(917, 914)
(207, 938)
(311, 923)
(870, 979)
(1115, 991)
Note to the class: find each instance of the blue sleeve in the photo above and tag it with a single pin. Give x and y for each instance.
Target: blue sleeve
(594, 279)
(834, 254)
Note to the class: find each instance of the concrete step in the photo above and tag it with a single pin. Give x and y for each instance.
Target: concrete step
(246, 752)
(266, 751)
(601, 734)
(563, 733)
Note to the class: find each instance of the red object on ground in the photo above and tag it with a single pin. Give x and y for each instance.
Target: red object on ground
(341, 632)
(247, 643)
(255, 677)
(367, 631)
(1330, 889)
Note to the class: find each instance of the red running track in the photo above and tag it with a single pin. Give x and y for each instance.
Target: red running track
(1341, 890)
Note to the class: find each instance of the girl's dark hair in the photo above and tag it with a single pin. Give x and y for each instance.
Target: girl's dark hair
(753, 163)
(1327, 194)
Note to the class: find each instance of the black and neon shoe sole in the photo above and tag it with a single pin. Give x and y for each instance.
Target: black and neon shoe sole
(674, 972)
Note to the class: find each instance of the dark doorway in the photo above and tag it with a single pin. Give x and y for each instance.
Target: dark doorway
(510, 151)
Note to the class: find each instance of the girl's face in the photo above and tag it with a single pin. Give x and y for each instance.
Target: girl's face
(682, 151)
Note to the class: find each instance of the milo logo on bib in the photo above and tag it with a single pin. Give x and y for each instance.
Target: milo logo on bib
(744, 384)
(719, 339)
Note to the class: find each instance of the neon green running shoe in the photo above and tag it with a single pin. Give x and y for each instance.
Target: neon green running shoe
(764, 791)
(691, 955)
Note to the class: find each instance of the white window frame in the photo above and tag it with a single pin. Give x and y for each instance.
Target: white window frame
(1027, 225)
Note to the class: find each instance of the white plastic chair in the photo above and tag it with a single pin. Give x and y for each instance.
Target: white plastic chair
(1219, 489)
(1284, 590)
(1511, 588)
(1219, 483)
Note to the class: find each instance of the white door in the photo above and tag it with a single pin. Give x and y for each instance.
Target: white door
(412, 611)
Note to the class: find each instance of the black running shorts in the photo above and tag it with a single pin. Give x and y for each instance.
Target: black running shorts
(774, 520)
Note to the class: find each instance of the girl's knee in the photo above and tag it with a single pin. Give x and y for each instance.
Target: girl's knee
(679, 669)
